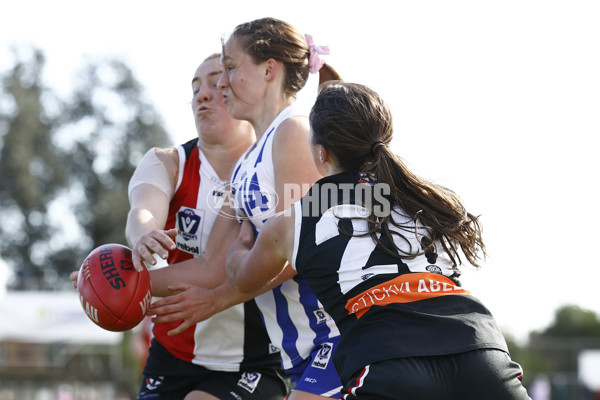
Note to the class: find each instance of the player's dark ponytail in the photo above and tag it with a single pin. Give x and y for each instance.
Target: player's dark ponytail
(355, 126)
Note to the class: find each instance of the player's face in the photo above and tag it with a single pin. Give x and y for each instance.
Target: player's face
(207, 99)
(241, 81)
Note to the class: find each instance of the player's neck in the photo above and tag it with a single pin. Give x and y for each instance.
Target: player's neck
(267, 115)
(222, 157)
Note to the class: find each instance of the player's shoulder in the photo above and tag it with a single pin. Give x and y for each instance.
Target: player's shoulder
(293, 126)
(168, 156)
(291, 133)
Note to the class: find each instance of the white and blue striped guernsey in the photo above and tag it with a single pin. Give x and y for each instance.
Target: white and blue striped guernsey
(295, 319)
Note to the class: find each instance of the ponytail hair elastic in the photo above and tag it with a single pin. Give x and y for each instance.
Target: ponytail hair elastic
(314, 61)
(375, 145)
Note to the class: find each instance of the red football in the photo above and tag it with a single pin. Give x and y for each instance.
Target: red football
(113, 294)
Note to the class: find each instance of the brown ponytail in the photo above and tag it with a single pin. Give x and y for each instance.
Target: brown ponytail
(347, 119)
(327, 73)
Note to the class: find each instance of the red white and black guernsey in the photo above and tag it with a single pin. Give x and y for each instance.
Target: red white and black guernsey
(234, 339)
(385, 307)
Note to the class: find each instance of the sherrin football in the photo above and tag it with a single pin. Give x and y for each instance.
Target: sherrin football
(112, 293)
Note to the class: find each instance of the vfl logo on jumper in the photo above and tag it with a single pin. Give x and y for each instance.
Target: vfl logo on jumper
(249, 381)
(321, 315)
(323, 355)
(189, 227)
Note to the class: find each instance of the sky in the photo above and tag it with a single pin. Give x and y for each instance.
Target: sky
(497, 100)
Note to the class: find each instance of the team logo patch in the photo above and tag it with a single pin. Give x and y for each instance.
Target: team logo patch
(323, 356)
(154, 382)
(273, 349)
(434, 269)
(188, 222)
(367, 276)
(321, 315)
(189, 226)
(367, 177)
(249, 381)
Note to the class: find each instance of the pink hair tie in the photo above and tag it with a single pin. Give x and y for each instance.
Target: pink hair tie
(314, 61)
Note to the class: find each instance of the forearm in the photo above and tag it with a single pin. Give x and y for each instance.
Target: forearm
(140, 221)
(252, 265)
(228, 295)
(193, 304)
(197, 271)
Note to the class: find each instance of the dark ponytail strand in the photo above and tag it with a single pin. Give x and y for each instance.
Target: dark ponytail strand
(355, 125)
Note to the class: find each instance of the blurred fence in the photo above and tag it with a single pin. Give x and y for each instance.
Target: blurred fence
(567, 368)
(49, 349)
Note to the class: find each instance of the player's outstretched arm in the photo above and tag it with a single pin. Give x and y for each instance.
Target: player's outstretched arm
(252, 265)
(193, 304)
(207, 271)
(150, 191)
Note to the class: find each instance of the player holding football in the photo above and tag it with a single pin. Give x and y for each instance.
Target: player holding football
(266, 63)
(228, 356)
(174, 195)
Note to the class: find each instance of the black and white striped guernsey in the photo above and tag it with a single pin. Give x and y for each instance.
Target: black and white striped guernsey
(385, 307)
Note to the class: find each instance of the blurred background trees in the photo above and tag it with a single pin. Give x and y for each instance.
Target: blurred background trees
(65, 164)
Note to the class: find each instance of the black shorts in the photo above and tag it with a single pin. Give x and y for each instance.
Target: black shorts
(166, 377)
(480, 374)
